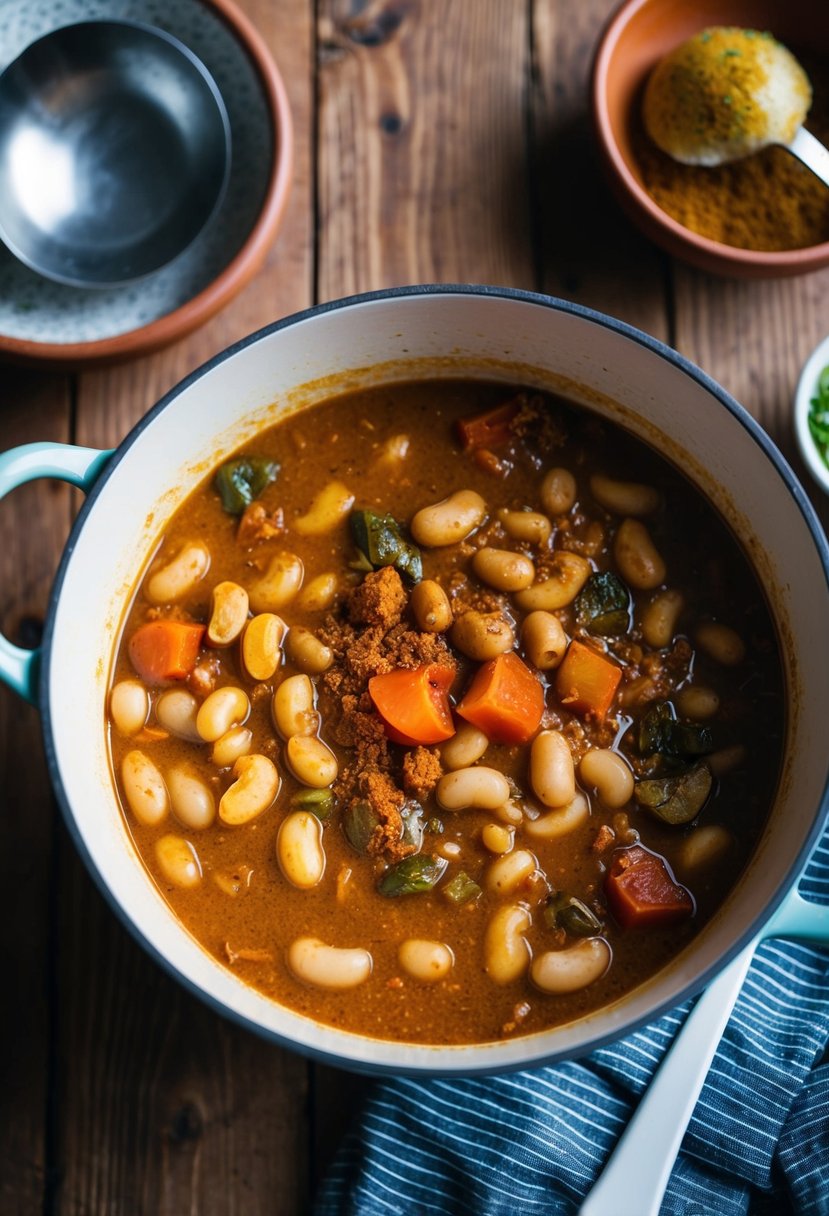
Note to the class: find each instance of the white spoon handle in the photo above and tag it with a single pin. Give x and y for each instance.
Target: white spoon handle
(633, 1181)
(812, 152)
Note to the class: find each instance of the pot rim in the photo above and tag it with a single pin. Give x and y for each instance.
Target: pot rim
(536, 1054)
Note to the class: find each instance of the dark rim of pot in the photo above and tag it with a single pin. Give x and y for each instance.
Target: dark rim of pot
(538, 1054)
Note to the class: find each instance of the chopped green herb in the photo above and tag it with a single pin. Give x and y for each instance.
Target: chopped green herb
(319, 802)
(412, 875)
(240, 481)
(462, 889)
(603, 605)
(380, 542)
(676, 800)
(819, 416)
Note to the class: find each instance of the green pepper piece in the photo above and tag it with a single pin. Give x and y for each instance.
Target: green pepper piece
(360, 820)
(435, 826)
(676, 800)
(462, 889)
(319, 802)
(381, 543)
(603, 605)
(563, 911)
(412, 875)
(660, 732)
(241, 480)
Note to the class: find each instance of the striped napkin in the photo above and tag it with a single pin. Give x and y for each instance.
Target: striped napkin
(534, 1142)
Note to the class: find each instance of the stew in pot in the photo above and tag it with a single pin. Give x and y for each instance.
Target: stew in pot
(446, 712)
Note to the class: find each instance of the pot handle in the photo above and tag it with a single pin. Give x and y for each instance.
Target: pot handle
(800, 918)
(65, 462)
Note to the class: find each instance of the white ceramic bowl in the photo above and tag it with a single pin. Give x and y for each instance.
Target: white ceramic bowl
(419, 332)
(805, 391)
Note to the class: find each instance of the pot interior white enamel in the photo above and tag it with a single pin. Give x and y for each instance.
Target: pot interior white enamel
(417, 334)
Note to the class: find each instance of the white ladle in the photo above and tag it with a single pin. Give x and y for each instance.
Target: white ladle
(641, 1164)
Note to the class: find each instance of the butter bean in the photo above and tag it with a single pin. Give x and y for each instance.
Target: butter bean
(721, 643)
(299, 850)
(503, 569)
(177, 711)
(307, 652)
(638, 559)
(231, 745)
(329, 507)
(660, 618)
(558, 492)
(278, 585)
(178, 861)
(144, 789)
(529, 526)
(173, 580)
(192, 799)
(559, 822)
(322, 966)
(319, 594)
(606, 772)
(254, 789)
(563, 971)
(569, 573)
(623, 497)
(466, 746)
(262, 645)
(294, 709)
(698, 702)
(509, 872)
(430, 606)
(225, 707)
(552, 774)
(311, 761)
(506, 951)
(478, 786)
(482, 635)
(544, 640)
(228, 613)
(450, 521)
(129, 706)
(425, 960)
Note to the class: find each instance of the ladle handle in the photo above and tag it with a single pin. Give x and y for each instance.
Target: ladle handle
(812, 152)
(639, 1167)
(81, 466)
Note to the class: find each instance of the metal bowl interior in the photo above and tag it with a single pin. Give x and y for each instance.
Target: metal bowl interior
(417, 333)
(114, 152)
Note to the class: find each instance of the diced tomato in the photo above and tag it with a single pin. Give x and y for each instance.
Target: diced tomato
(641, 891)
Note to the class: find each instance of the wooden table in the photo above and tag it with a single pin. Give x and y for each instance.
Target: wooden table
(435, 141)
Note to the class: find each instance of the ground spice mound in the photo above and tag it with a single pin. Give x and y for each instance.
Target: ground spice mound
(370, 636)
(767, 202)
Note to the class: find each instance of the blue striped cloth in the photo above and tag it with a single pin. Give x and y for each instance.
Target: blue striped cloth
(534, 1142)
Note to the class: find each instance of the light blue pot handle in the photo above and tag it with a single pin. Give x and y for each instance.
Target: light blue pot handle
(65, 462)
(800, 918)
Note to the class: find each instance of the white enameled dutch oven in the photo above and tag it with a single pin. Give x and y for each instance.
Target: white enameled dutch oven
(417, 333)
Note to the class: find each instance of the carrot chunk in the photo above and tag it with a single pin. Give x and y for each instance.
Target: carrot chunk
(490, 429)
(586, 682)
(504, 700)
(165, 650)
(414, 703)
(641, 891)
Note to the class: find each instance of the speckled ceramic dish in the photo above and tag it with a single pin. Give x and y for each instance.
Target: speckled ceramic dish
(46, 321)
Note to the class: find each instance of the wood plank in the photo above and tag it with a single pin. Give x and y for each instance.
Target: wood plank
(164, 1107)
(34, 522)
(425, 183)
(587, 250)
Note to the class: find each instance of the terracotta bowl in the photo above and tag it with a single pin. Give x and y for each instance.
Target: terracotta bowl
(69, 327)
(637, 36)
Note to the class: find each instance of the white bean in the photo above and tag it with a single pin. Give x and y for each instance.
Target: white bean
(225, 707)
(144, 789)
(278, 585)
(425, 960)
(558, 491)
(697, 701)
(705, 846)
(511, 871)
(506, 951)
(322, 966)
(529, 526)
(727, 759)
(569, 573)
(660, 618)
(231, 745)
(180, 575)
(192, 800)
(299, 849)
(318, 594)
(552, 773)
(129, 705)
(311, 761)
(329, 507)
(450, 521)
(638, 559)
(307, 652)
(544, 640)
(570, 970)
(482, 635)
(293, 707)
(255, 786)
(478, 786)
(176, 710)
(262, 645)
(430, 606)
(721, 643)
(559, 822)
(605, 771)
(497, 837)
(503, 569)
(178, 861)
(228, 613)
(623, 497)
(466, 746)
